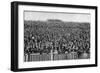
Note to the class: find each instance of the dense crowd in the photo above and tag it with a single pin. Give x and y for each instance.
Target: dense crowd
(42, 37)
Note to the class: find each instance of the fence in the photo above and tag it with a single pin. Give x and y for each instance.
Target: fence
(47, 57)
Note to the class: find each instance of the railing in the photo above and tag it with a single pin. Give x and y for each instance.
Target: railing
(47, 57)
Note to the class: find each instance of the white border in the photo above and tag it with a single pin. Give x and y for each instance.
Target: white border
(22, 64)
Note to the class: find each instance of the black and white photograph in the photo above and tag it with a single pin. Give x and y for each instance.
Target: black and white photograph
(52, 36)
(56, 36)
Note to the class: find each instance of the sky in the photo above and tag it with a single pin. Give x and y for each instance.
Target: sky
(68, 17)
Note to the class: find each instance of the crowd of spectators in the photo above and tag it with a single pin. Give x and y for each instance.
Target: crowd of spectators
(42, 37)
